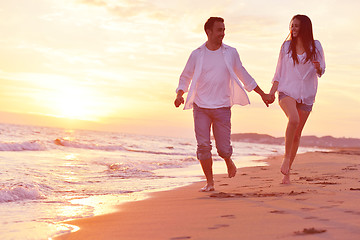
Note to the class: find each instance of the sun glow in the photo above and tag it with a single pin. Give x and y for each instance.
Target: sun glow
(76, 103)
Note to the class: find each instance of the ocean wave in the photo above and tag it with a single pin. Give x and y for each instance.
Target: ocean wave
(306, 141)
(189, 159)
(127, 170)
(156, 152)
(20, 192)
(23, 146)
(75, 144)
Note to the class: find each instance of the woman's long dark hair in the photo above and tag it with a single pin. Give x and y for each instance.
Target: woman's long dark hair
(306, 35)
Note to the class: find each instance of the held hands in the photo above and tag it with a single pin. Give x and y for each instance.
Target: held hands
(268, 99)
(272, 98)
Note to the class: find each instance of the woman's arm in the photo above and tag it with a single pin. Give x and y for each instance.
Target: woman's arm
(277, 74)
(319, 63)
(274, 88)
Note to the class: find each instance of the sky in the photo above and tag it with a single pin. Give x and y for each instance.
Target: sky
(114, 65)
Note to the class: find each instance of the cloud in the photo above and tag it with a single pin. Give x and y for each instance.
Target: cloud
(94, 2)
(130, 8)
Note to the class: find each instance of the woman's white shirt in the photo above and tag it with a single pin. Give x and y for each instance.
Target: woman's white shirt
(299, 81)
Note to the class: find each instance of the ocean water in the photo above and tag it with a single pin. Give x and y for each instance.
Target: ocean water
(50, 175)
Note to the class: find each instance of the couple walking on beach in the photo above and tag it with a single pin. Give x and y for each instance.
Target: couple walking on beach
(215, 80)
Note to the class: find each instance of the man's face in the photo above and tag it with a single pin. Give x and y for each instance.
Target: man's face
(217, 33)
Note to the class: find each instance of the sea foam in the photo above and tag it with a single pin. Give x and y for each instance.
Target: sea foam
(20, 192)
(75, 144)
(22, 146)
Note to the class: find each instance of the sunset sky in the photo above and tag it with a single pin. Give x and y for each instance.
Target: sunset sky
(114, 64)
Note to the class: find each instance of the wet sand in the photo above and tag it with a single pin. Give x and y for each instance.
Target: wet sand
(323, 202)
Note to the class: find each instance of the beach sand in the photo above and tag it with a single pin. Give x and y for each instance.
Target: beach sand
(323, 202)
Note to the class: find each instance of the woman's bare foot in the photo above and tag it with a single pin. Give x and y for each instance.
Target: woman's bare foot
(285, 167)
(286, 179)
(208, 188)
(231, 168)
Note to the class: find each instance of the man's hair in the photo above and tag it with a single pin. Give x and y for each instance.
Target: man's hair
(210, 22)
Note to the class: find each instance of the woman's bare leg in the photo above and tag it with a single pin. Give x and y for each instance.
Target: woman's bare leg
(288, 105)
(303, 118)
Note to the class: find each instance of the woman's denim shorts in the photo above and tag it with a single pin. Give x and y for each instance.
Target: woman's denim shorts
(301, 106)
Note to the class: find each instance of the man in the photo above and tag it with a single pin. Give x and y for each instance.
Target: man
(214, 70)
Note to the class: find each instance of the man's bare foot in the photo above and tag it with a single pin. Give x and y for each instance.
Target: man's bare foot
(285, 167)
(231, 168)
(207, 188)
(286, 179)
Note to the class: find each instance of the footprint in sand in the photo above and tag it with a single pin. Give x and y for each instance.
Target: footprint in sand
(230, 216)
(255, 177)
(308, 179)
(326, 183)
(293, 193)
(353, 212)
(222, 195)
(217, 226)
(350, 168)
(268, 180)
(332, 206)
(307, 209)
(307, 231)
(180, 238)
(278, 211)
(333, 201)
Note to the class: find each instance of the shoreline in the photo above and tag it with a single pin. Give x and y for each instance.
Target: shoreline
(322, 202)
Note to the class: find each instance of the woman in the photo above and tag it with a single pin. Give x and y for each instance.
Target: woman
(300, 63)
